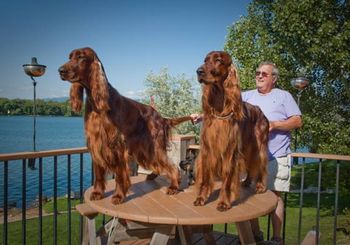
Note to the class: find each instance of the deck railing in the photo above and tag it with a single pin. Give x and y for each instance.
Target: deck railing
(320, 158)
(51, 158)
(7, 160)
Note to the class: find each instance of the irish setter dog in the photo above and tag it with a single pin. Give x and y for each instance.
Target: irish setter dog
(234, 135)
(117, 128)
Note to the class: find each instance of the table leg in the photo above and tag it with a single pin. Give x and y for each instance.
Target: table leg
(184, 238)
(245, 232)
(161, 236)
(90, 230)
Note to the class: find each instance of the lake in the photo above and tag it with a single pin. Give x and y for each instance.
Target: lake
(16, 134)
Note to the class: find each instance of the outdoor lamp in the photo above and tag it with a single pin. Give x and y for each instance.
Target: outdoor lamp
(300, 83)
(34, 70)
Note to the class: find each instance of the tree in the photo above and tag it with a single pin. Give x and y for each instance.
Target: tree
(173, 97)
(304, 37)
(43, 107)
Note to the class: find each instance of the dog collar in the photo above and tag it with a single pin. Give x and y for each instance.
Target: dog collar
(223, 117)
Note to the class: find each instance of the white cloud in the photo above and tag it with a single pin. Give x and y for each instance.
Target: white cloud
(135, 94)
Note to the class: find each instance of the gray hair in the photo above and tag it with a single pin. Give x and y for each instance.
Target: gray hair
(275, 71)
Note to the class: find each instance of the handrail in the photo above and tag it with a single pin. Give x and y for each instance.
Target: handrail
(38, 154)
(302, 154)
(321, 156)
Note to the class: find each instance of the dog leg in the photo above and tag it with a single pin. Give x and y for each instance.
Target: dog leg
(171, 171)
(225, 196)
(174, 176)
(122, 183)
(201, 198)
(204, 182)
(99, 183)
(260, 184)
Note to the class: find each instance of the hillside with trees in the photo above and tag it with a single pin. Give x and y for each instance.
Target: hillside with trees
(16, 107)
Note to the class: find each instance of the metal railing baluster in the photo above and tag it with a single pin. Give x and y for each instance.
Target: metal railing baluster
(55, 200)
(285, 199)
(268, 226)
(40, 201)
(301, 200)
(69, 199)
(81, 192)
(5, 227)
(318, 201)
(24, 199)
(336, 203)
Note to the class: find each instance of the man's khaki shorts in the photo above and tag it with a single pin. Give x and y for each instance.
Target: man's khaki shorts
(279, 173)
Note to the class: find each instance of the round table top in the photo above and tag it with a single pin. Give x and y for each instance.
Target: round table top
(148, 202)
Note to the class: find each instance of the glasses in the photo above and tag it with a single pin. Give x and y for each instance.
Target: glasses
(263, 74)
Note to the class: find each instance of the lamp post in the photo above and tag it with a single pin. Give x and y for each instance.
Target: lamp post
(34, 70)
(300, 83)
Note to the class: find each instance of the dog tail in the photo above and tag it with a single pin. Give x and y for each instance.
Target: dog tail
(176, 121)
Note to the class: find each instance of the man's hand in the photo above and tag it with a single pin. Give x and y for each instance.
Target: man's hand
(196, 118)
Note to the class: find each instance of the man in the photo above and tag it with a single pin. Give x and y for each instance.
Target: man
(284, 115)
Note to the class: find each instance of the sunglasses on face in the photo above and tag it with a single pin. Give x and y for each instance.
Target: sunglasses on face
(262, 73)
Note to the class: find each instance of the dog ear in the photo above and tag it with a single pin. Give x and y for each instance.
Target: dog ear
(232, 76)
(99, 86)
(76, 95)
(233, 92)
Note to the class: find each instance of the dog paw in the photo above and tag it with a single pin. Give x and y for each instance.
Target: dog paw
(95, 195)
(172, 191)
(223, 207)
(199, 201)
(260, 188)
(117, 199)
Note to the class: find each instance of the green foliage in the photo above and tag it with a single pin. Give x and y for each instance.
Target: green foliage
(173, 97)
(309, 38)
(43, 108)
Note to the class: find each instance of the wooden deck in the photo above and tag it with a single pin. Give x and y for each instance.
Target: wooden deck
(197, 239)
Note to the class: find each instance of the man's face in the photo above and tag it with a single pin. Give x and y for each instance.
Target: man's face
(265, 80)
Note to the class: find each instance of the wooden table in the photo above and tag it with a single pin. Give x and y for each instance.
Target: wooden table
(147, 202)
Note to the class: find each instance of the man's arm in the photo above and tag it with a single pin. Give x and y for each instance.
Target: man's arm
(287, 125)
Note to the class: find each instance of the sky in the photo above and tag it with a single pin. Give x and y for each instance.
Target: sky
(131, 37)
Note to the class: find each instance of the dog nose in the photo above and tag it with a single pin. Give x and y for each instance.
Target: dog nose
(62, 70)
(200, 71)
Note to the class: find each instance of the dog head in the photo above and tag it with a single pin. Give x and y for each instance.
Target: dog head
(215, 68)
(80, 66)
(85, 70)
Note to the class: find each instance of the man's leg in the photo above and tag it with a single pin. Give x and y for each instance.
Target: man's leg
(277, 218)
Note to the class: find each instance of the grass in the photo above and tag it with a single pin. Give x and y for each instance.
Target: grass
(32, 226)
(308, 222)
(308, 218)
(32, 230)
